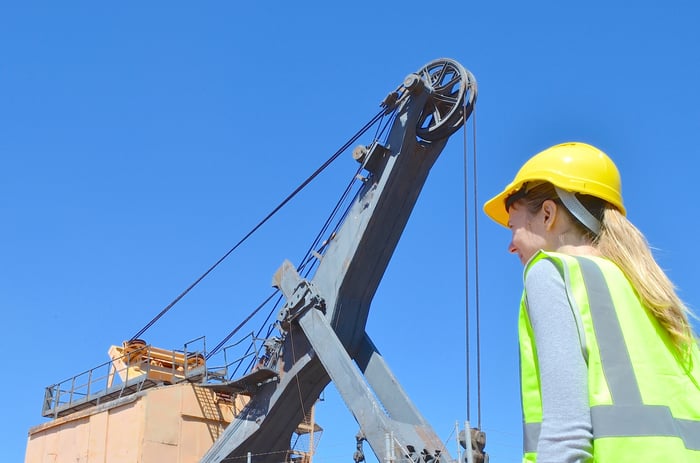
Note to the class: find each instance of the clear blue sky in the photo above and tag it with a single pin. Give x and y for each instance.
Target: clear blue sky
(140, 142)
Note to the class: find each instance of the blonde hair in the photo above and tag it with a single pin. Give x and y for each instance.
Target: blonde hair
(622, 243)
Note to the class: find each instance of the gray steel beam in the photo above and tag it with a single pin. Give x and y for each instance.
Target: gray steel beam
(404, 429)
(385, 385)
(324, 319)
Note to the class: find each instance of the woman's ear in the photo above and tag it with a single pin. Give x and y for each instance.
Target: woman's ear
(549, 209)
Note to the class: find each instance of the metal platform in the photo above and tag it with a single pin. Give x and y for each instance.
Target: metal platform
(246, 385)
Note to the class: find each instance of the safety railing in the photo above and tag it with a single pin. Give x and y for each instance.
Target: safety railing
(229, 362)
(134, 366)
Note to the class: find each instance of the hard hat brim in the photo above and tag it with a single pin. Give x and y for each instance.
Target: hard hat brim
(495, 207)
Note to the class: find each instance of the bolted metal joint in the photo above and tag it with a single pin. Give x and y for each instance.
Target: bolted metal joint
(371, 157)
(413, 83)
(389, 103)
(359, 455)
(424, 456)
(303, 299)
(476, 445)
(359, 154)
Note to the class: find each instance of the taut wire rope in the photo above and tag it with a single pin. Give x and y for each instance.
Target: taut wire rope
(476, 275)
(307, 258)
(304, 262)
(465, 215)
(381, 131)
(347, 144)
(239, 326)
(467, 267)
(309, 253)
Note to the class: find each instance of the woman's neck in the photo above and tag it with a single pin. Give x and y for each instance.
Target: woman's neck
(579, 250)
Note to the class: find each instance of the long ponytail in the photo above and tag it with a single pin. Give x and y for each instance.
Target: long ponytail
(621, 242)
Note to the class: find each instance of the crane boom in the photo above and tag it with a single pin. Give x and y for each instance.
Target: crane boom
(323, 321)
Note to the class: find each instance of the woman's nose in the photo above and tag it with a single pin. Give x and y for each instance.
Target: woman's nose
(511, 248)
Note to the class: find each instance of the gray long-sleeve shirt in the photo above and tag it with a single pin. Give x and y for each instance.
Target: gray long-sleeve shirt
(566, 433)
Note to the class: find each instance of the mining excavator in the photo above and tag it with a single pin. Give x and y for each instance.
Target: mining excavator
(148, 404)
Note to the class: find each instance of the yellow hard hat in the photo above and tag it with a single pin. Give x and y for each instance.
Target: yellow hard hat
(575, 167)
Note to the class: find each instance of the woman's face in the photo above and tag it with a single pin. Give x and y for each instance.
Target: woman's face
(528, 232)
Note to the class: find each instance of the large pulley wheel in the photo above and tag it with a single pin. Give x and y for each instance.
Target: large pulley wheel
(452, 94)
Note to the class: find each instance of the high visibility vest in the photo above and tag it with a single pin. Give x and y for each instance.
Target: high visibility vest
(644, 397)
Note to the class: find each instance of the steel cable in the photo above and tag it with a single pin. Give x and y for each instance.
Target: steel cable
(477, 316)
(476, 276)
(308, 256)
(262, 222)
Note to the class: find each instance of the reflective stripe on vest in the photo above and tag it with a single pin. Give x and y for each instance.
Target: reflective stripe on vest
(627, 416)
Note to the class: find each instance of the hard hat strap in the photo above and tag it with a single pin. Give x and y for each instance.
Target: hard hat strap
(578, 210)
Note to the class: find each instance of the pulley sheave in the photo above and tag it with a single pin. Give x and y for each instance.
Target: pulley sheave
(452, 94)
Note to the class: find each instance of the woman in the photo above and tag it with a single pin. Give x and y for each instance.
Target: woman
(610, 367)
